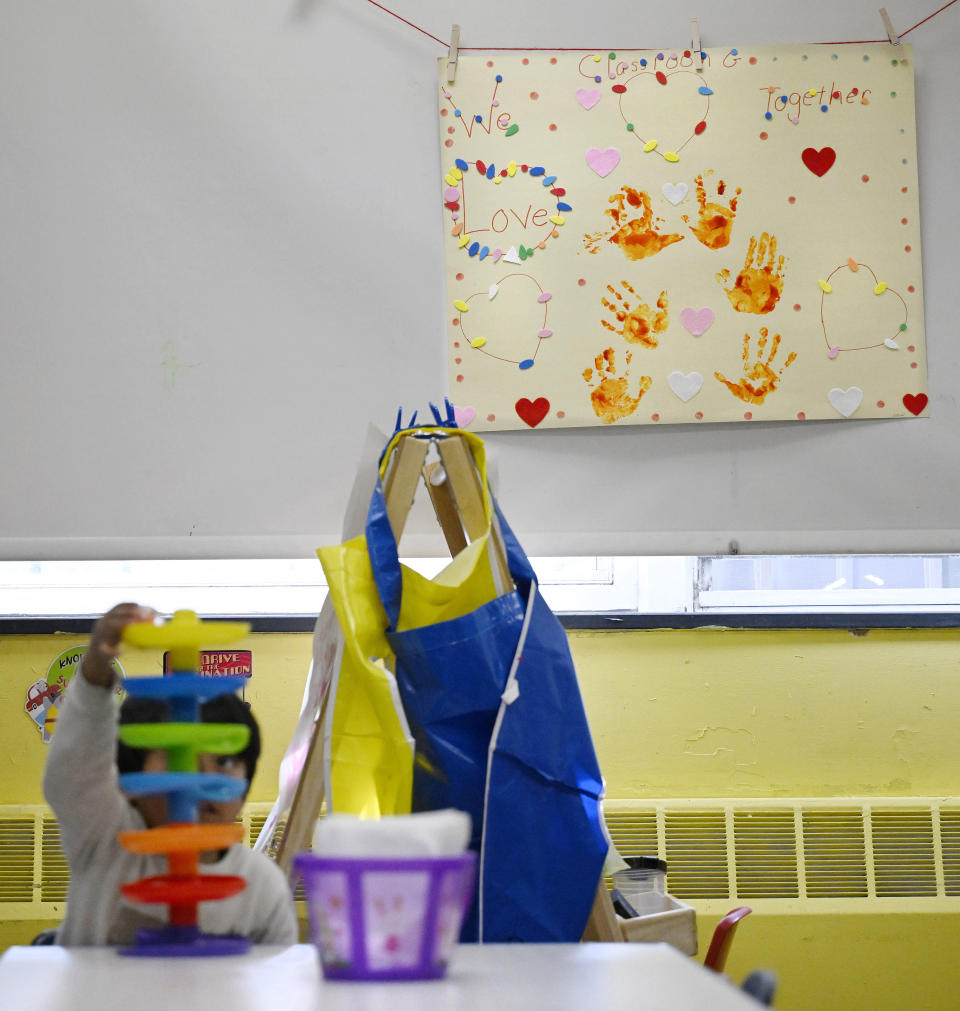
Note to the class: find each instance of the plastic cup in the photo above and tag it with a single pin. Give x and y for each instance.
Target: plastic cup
(379, 919)
(644, 885)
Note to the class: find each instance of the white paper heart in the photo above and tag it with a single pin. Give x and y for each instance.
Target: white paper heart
(492, 293)
(686, 386)
(587, 97)
(845, 402)
(675, 192)
(892, 344)
(512, 256)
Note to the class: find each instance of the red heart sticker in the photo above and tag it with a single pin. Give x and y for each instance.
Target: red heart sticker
(532, 412)
(819, 162)
(914, 403)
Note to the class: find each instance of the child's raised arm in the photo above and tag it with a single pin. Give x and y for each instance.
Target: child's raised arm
(80, 778)
(104, 643)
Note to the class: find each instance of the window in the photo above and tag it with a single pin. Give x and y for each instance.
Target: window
(804, 583)
(591, 585)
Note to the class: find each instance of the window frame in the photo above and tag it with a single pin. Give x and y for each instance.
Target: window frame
(597, 592)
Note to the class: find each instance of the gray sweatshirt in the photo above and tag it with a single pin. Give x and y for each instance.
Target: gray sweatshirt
(80, 784)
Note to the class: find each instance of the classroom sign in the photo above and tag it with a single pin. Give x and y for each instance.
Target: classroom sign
(213, 663)
(661, 236)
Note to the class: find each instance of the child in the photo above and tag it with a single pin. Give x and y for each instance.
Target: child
(80, 784)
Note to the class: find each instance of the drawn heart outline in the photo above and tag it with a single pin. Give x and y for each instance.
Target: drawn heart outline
(698, 113)
(915, 402)
(819, 162)
(532, 412)
(485, 174)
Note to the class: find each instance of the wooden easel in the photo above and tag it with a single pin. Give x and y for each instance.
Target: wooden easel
(456, 494)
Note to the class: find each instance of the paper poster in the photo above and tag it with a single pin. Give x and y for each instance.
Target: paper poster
(649, 237)
(212, 663)
(44, 695)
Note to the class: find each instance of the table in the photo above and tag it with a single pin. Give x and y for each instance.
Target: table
(491, 977)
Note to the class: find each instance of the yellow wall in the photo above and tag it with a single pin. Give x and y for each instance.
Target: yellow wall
(280, 664)
(699, 713)
(745, 713)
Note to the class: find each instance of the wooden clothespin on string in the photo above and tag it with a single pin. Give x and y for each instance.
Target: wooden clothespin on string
(695, 43)
(454, 54)
(888, 25)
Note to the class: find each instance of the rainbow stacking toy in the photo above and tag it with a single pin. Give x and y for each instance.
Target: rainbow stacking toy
(183, 738)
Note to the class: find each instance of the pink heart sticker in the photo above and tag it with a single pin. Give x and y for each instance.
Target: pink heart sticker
(464, 415)
(832, 352)
(603, 162)
(588, 97)
(697, 321)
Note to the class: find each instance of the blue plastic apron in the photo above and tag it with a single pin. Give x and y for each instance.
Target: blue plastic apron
(493, 704)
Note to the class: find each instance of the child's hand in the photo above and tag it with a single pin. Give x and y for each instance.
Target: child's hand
(104, 643)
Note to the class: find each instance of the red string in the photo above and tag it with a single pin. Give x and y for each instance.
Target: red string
(561, 49)
(929, 16)
(411, 24)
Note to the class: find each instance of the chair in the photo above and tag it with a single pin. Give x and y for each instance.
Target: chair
(761, 985)
(723, 937)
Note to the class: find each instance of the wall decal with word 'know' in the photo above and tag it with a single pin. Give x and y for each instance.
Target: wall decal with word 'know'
(637, 237)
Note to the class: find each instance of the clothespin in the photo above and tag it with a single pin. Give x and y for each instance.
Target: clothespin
(888, 24)
(695, 43)
(454, 54)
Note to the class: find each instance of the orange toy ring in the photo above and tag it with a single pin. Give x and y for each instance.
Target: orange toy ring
(181, 838)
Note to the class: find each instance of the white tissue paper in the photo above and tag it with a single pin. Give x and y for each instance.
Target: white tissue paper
(425, 834)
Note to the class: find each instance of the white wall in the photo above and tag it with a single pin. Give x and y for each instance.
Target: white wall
(220, 259)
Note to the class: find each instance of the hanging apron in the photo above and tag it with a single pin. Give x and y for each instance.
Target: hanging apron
(490, 696)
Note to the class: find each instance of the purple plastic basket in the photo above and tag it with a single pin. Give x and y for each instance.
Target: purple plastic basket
(378, 919)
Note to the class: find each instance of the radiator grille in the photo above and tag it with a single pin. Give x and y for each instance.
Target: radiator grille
(765, 845)
(819, 850)
(835, 853)
(696, 854)
(634, 834)
(950, 846)
(810, 854)
(55, 875)
(16, 859)
(903, 853)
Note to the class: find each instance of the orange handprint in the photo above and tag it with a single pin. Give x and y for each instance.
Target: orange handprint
(637, 238)
(639, 324)
(760, 378)
(609, 397)
(757, 288)
(716, 220)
